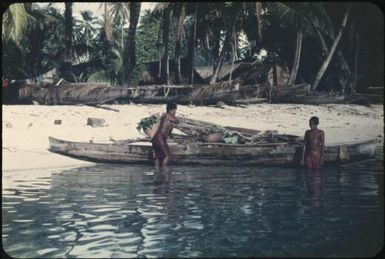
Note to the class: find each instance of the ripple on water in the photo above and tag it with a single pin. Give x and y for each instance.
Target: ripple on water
(127, 211)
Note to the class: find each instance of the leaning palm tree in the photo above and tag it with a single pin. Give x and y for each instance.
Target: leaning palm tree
(326, 62)
(299, 15)
(232, 20)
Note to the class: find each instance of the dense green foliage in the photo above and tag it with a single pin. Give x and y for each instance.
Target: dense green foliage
(33, 40)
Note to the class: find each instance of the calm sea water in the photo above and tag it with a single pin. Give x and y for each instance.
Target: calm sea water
(135, 211)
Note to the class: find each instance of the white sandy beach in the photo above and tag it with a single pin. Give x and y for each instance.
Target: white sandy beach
(26, 127)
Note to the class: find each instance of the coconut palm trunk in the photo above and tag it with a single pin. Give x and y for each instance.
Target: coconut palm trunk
(354, 85)
(191, 48)
(68, 24)
(166, 34)
(297, 56)
(129, 59)
(182, 16)
(216, 45)
(214, 78)
(326, 62)
(258, 14)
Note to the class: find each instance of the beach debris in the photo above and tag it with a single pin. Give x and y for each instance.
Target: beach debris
(95, 122)
(8, 125)
(57, 122)
(30, 125)
(220, 104)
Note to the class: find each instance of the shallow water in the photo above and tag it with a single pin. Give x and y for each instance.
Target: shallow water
(134, 211)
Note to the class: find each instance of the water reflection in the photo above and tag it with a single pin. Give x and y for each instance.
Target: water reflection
(315, 181)
(142, 211)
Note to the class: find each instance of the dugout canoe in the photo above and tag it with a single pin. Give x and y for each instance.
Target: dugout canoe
(197, 153)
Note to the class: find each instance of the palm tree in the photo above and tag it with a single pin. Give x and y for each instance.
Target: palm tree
(87, 28)
(232, 15)
(129, 60)
(182, 17)
(326, 62)
(16, 20)
(166, 10)
(258, 15)
(191, 45)
(68, 25)
(107, 22)
(299, 15)
(120, 14)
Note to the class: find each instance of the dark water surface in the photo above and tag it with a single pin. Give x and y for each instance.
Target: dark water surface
(134, 211)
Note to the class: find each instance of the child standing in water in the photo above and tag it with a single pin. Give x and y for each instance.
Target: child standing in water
(313, 148)
(162, 154)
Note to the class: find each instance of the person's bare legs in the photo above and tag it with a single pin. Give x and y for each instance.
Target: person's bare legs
(166, 160)
(157, 162)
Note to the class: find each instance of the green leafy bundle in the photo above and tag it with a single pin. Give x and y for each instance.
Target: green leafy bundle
(230, 138)
(147, 123)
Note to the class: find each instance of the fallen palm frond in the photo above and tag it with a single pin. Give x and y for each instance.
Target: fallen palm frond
(82, 93)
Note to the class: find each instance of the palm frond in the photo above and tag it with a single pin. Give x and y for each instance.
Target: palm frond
(15, 22)
(159, 7)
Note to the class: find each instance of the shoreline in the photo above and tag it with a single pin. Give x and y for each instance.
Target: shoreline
(26, 127)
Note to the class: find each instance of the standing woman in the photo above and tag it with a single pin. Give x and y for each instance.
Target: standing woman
(162, 154)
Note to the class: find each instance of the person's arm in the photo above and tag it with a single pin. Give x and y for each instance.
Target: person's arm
(174, 119)
(322, 147)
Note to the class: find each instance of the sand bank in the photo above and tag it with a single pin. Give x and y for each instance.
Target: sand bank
(26, 127)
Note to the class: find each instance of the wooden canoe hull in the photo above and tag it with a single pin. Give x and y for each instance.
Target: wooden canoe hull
(207, 153)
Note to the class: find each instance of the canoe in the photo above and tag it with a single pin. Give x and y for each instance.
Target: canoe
(197, 153)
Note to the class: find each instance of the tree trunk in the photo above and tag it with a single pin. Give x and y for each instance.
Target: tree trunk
(216, 46)
(182, 16)
(323, 43)
(234, 50)
(191, 48)
(166, 33)
(258, 14)
(297, 55)
(325, 49)
(326, 63)
(107, 24)
(354, 86)
(214, 78)
(129, 59)
(275, 76)
(67, 65)
(159, 44)
(121, 33)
